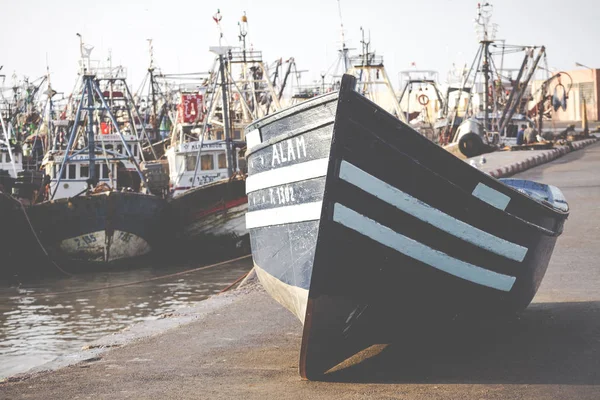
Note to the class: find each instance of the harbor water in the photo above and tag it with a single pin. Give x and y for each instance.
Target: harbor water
(36, 328)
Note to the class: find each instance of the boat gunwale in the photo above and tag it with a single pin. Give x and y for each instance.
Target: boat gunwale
(188, 192)
(288, 112)
(486, 177)
(289, 135)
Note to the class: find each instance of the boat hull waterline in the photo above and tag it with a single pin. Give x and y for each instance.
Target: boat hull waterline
(101, 228)
(364, 228)
(211, 218)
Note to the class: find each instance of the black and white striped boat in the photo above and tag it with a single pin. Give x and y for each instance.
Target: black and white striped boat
(363, 228)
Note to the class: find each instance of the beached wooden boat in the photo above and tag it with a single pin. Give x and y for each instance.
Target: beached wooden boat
(363, 228)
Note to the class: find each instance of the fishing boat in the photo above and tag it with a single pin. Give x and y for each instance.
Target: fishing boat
(206, 158)
(364, 229)
(97, 206)
(11, 156)
(208, 199)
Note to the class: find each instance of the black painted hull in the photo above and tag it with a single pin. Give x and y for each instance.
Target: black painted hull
(374, 230)
(101, 229)
(17, 243)
(211, 218)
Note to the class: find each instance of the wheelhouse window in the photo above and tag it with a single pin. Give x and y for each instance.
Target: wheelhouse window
(190, 163)
(104, 171)
(84, 171)
(207, 162)
(72, 171)
(222, 161)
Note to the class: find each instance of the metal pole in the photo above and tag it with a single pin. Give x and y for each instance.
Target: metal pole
(226, 126)
(90, 130)
(486, 69)
(513, 91)
(71, 138)
(513, 108)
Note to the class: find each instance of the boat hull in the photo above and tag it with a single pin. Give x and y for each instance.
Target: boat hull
(211, 218)
(382, 230)
(102, 228)
(18, 249)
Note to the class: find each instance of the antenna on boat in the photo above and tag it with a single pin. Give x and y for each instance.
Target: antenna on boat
(85, 51)
(151, 68)
(151, 51)
(217, 18)
(344, 50)
(484, 16)
(243, 26)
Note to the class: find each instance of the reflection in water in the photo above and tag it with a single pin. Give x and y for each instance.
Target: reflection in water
(35, 330)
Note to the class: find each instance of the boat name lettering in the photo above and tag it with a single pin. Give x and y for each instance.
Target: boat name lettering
(195, 146)
(85, 240)
(125, 236)
(289, 150)
(282, 195)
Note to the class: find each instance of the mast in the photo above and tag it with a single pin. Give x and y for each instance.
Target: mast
(89, 130)
(221, 51)
(90, 92)
(152, 89)
(485, 68)
(484, 14)
(344, 50)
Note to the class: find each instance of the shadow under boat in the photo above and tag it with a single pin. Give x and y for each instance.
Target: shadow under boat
(547, 344)
(363, 228)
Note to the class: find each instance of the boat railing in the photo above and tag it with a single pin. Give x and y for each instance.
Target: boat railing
(245, 56)
(95, 67)
(309, 91)
(370, 60)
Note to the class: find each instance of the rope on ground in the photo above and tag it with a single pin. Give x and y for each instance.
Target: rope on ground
(234, 283)
(143, 281)
(39, 241)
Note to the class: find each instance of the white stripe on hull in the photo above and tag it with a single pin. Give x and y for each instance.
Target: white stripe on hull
(491, 196)
(415, 207)
(293, 173)
(284, 215)
(94, 247)
(418, 251)
(253, 139)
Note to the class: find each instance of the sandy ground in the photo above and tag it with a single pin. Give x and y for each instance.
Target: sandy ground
(244, 345)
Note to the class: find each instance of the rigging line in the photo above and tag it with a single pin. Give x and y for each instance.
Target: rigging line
(236, 281)
(189, 271)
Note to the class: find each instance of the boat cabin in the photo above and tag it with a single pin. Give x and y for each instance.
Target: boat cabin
(212, 165)
(110, 170)
(11, 161)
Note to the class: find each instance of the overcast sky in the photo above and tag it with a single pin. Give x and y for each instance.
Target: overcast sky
(434, 34)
